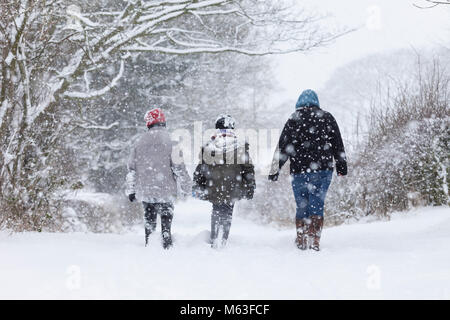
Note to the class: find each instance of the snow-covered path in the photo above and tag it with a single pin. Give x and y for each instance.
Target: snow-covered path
(408, 257)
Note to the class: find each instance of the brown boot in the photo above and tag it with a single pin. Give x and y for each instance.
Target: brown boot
(302, 234)
(315, 231)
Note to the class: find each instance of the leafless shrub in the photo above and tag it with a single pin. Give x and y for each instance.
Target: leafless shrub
(405, 161)
(99, 213)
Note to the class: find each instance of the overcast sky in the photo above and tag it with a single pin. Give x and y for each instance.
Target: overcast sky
(384, 25)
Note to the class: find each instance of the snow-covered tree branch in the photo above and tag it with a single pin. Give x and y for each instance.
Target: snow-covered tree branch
(431, 3)
(51, 50)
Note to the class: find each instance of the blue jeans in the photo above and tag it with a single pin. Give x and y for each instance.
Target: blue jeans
(310, 190)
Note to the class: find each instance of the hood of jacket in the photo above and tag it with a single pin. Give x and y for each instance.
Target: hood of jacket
(223, 141)
(223, 148)
(308, 98)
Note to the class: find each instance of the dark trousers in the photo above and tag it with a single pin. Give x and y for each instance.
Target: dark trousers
(221, 218)
(151, 211)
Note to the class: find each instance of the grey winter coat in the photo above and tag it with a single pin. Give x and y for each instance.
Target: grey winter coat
(152, 174)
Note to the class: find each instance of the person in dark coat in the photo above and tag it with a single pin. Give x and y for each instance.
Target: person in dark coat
(224, 175)
(311, 140)
(153, 176)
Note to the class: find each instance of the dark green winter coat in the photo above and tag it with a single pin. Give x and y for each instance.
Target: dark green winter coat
(225, 173)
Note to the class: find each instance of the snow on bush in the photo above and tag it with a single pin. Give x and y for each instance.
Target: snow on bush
(403, 162)
(97, 212)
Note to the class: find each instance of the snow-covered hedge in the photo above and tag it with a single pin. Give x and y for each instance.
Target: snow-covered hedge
(404, 161)
(88, 211)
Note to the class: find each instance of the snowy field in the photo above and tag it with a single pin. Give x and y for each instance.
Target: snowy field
(405, 258)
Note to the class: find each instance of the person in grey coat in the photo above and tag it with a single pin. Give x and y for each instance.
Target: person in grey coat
(153, 176)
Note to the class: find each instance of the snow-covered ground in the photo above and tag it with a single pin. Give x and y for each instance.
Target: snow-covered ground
(407, 257)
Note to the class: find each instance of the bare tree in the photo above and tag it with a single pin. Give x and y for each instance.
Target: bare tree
(50, 48)
(431, 4)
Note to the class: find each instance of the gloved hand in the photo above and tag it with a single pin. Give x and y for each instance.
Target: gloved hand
(132, 197)
(274, 177)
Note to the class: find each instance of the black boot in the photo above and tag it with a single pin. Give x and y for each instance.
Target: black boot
(166, 240)
(149, 229)
(221, 221)
(215, 224)
(166, 222)
(150, 216)
(226, 225)
(148, 232)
